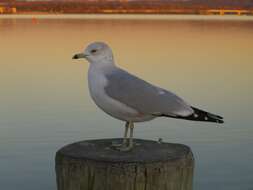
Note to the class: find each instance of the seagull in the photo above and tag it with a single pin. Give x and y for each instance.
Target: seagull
(128, 98)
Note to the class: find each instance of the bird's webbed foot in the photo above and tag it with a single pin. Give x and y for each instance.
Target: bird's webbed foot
(116, 144)
(127, 143)
(124, 148)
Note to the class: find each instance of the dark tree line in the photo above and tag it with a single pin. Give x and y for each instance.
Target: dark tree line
(134, 6)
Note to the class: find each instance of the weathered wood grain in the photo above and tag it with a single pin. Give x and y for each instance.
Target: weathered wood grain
(93, 165)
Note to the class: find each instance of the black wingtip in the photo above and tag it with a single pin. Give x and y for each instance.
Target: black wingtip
(219, 117)
(214, 117)
(198, 115)
(220, 121)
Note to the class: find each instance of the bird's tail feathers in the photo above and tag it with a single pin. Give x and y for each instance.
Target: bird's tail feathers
(199, 115)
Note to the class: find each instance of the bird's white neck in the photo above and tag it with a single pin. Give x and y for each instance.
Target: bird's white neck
(102, 65)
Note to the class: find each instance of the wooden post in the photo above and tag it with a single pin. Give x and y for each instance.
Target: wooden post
(94, 165)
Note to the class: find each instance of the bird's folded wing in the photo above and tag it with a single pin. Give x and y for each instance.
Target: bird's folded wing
(143, 96)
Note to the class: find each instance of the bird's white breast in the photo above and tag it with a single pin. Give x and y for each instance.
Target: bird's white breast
(97, 82)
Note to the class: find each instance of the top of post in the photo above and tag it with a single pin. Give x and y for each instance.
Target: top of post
(145, 151)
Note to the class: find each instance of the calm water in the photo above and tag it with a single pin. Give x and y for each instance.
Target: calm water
(45, 103)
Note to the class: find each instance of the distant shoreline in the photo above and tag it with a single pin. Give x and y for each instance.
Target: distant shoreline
(125, 7)
(34, 17)
(124, 13)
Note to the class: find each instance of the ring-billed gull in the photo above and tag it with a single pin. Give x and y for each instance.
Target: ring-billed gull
(131, 99)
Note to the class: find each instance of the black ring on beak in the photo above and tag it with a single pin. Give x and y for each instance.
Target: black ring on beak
(75, 57)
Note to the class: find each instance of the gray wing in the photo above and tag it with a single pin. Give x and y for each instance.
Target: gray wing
(143, 96)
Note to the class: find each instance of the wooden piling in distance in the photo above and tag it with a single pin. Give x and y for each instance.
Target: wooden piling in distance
(93, 165)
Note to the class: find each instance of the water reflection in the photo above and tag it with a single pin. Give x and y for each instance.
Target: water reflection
(45, 103)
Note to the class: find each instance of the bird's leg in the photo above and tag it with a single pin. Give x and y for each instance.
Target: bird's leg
(130, 144)
(125, 139)
(124, 143)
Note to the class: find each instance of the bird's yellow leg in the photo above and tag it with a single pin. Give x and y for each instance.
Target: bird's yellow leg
(124, 143)
(130, 143)
(125, 139)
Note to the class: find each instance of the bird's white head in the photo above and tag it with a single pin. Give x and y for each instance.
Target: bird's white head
(97, 53)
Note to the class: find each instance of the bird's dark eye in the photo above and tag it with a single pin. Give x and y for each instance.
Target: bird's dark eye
(93, 51)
